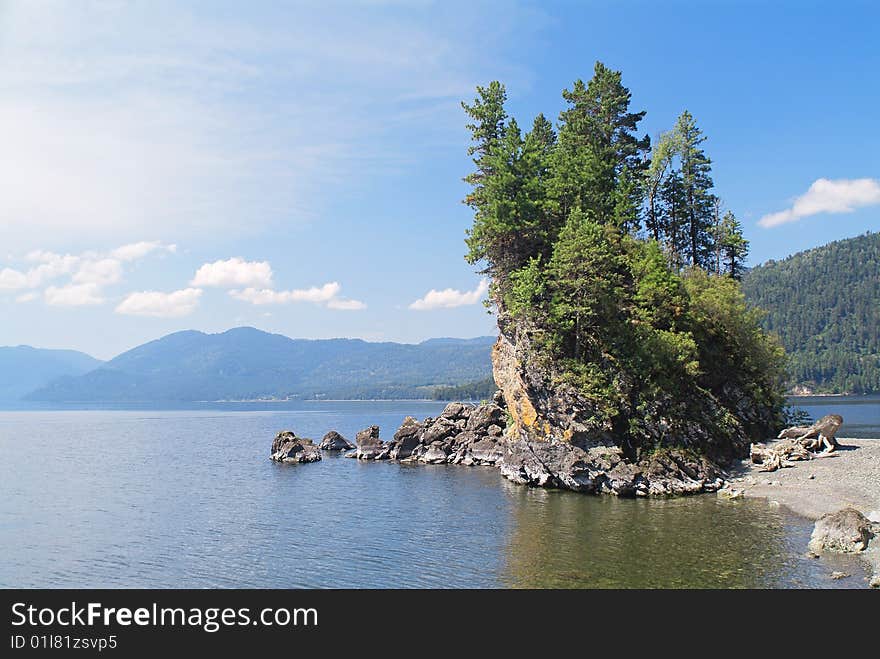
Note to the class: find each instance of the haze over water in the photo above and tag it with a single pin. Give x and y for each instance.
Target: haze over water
(189, 498)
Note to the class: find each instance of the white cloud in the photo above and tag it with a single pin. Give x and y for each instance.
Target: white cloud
(73, 295)
(345, 304)
(51, 267)
(828, 196)
(233, 273)
(27, 297)
(317, 294)
(136, 251)
(11, 280)
(450, 297)
(101, 273)
(159, 304)
(328, 295)
(88, 272)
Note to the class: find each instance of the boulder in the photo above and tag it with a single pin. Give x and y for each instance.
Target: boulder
(847, 531)
(369, 446)
(441, 429)
(333, 441)
(436, 454)
(486, 451)
(456, 411)
(407, 438)
(484, 416)
(287, 447)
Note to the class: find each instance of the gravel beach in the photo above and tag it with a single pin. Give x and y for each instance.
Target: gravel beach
(813, 488)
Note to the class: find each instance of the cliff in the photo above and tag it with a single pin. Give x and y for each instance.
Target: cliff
(554, 437)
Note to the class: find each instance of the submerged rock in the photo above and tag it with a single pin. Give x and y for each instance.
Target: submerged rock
(287, 447)
(333, 441)
(846, 531)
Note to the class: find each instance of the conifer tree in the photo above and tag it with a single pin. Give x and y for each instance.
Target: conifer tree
(696, 174)
(597, 142)
(734, 247)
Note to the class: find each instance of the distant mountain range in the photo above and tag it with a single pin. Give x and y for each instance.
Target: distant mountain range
(24, 369)
(823, 303)
(825, 306)
(248, 364)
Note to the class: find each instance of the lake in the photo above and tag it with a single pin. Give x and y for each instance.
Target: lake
(189, 498)
(861, 414)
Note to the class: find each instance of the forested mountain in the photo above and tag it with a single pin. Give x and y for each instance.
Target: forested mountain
(23, 368)
(245, 363)
(825, 306)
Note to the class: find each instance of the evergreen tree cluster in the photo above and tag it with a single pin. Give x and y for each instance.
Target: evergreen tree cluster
(619, 261)
(824, 304)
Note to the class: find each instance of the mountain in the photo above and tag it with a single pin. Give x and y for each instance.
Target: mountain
(245, 364)
(825, 306)
(23, 368)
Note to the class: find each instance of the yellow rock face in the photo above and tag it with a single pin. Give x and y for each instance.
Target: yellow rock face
(506, 369)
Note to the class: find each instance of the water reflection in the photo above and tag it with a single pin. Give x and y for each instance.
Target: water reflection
(563, 540)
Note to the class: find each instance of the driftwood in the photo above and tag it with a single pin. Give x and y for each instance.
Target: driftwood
(822, 432)
(798, 443)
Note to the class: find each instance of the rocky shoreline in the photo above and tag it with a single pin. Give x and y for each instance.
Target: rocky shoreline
(474, 435)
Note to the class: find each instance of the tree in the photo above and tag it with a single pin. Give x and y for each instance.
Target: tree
(696, 169)
(733, 247)
(587, 274)
(597, 143)
(671, 216)
(661, 162)
(488, 127)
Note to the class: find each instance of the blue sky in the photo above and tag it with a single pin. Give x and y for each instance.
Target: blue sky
(297, 166)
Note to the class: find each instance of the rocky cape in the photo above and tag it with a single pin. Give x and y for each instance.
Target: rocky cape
(534, 439)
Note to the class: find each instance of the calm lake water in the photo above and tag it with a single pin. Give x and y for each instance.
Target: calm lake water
(861, 414)
(189, 498)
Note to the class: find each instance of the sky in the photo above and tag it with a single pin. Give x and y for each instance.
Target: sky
(297, 166)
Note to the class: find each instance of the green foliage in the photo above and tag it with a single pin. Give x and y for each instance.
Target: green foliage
(637, 326)
(824, 304)
(732, 248)
(508, 188)
(596, 143)
(697, 182)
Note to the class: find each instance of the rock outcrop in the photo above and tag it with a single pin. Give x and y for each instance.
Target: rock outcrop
(333, 441)
(369, 446)
(461, 434)
(847, 531)
(543, 433)
(553, 439)
(287, 447)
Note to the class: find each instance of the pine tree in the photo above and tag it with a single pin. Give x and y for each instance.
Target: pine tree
(734, 249)
(696, 172)
(671, 216)
(660, 165)
(597, 143)
(587, 274)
